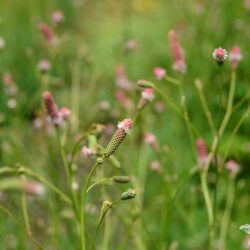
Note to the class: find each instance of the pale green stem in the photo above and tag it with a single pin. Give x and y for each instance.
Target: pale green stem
(176, 108)
(172, 80)
(84, 194)
(25, 214)
(205, 107)
(227, 213)
(102, 181)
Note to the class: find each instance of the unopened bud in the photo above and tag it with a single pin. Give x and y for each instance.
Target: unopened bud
(145, 84)
(121, 179)
(130, 194)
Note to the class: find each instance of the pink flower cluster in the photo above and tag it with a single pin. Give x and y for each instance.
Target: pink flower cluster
(177, 53)
(159, 73)
(220, 55)
(201, 152)
(56, 116)
(235, 57)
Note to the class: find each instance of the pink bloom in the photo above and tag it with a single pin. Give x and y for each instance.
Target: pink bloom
(34, 188)
(50, 105)
(131, 45)
(155, 166)
(148, 94)
(46, 31)
(159, 106)
(44, 66)
(125, 125)
(123, 99)
(7, 79)
(57, 17)
(122, 80)
(87, 152)
(150, 139)
(159, 73)
(201, 151)
(235, 56)
(232, 166)
(177, 53)
(220, 55)
(64, 113)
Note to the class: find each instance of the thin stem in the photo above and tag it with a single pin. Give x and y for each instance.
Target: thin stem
(172, 80)
(227, 213)
(205, 107)
(176, 108)
(209, 206)
(25, 214)
(47, 183)
(105, 180)
(84, 194)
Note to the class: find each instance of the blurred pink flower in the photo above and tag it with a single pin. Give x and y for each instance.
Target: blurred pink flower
(87, 152)
(123, 99)
(147, 95)
(122, 80)
(64, 113)
(7, 79)
(149, 138)
(34, 188)
(220, 55)
(159, 73)
(57, 17)
(177, 53)
(155, 166)
(131, 45)
(159, 106)
(235, 57)
(47, 32)
(232, 166)
(44, 66)
(201, 151)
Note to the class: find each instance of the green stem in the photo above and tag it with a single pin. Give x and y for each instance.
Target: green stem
(227, 213)
(98, 183)
(172, 80)
(84, 194)
(209, 206)
(25, 214)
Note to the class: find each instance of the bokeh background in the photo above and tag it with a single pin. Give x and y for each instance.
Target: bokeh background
(91, 42)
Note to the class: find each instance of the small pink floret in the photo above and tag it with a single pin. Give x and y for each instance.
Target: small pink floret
(148, 94)
(159, 73)
(220, 55)
(233, 166)
(126, 125)
(57, 16)
(44, 65)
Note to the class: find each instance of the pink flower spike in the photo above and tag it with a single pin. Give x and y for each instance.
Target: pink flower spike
(220, 55)
(125, 125)
(201, 151)
(235, 57)
(44, 66)
(177, 53)
(57, 17)
(159, 73)
(232, 166)
(148, 94)
(51, 106)
(46, 31)
(122, 80)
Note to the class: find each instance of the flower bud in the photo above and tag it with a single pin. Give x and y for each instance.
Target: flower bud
(121, 179)
(159, 73)
(145, 84)
(122, 130)
(220, 55)
(130, 194)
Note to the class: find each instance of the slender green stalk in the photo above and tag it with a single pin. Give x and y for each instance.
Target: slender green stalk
(46, 183)
(227, 213)
(172, 80)
(84, 194)
(209, 206)
(25, 214)
(177, 109)
(204, 105)
(102, 181)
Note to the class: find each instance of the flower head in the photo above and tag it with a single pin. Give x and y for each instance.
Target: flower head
(201, 151)
(232, 166)
(220, 55)
(147, 95)
(44, 66)
(149, 138)
(87, 152)
(50, 105)
(177, 53)
(57, 17)
(159, 73)
(123, 128)
(46, 31)
(235, 56)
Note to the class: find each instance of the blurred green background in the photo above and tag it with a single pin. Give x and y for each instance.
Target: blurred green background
(90, 45)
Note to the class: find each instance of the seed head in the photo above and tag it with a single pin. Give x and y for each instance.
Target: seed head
(130, 194)
(121, 179)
